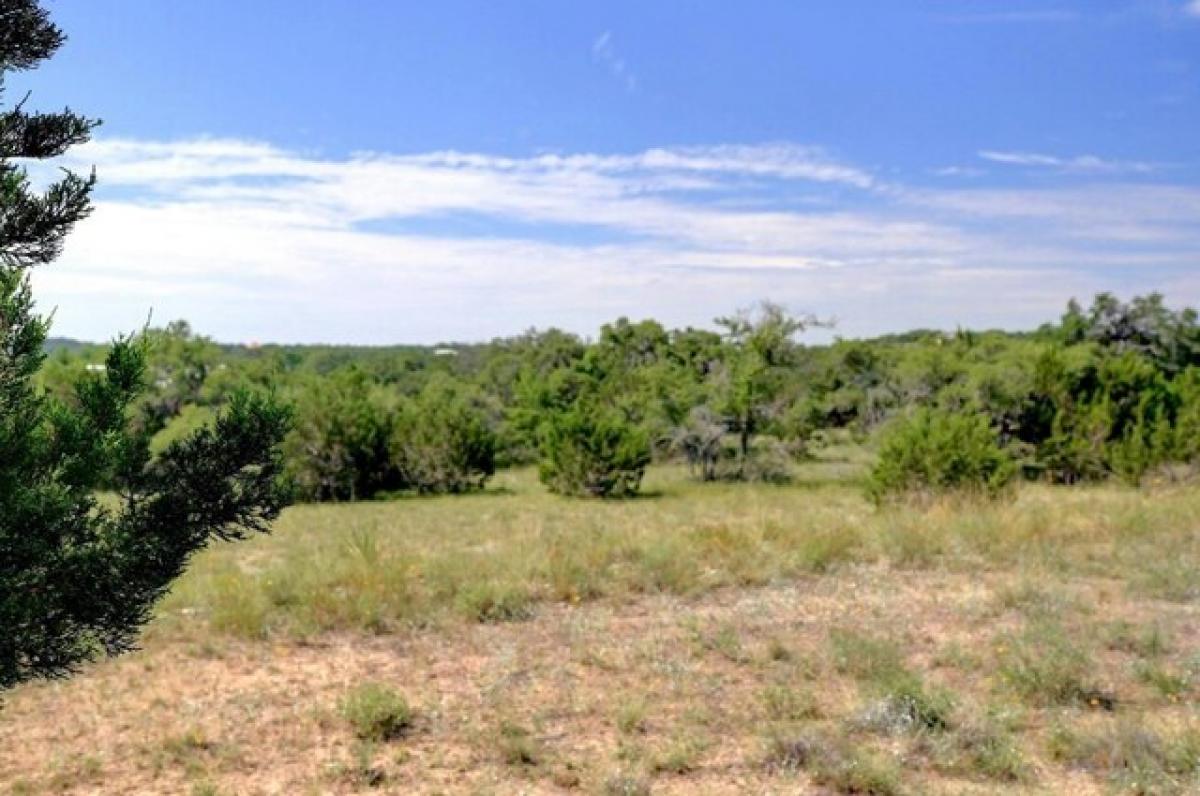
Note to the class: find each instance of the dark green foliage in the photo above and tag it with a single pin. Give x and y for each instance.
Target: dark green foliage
(79, 576)
(33, 226)
(355, 438)
(340, 448)
(590, 450)
(442, 440)
(1089, 399)
(1144, 326)
(935, 451)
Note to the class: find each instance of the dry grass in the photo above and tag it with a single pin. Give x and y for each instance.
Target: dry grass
(706, 639)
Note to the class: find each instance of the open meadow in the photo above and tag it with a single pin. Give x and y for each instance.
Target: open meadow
(702, 638)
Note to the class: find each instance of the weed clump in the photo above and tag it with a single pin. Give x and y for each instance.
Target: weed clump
(376, 712)
(517, 745)
(984, 747)
(1046, 668)
(626, 785)
(866, 658)
(1135, 757)
(907, 707)
(492, 601)
(834, 763)
(781, 703)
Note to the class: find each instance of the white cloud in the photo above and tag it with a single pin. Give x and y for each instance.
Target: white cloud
(958, 171)
(605, 53)
(1078, 163)
(1193, 8)
(250, 241)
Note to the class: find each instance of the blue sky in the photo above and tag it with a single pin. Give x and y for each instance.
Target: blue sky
(379, 171)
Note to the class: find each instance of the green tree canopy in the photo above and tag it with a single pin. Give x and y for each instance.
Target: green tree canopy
(80, 575)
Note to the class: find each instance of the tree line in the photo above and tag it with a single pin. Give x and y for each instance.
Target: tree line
(1110, 390)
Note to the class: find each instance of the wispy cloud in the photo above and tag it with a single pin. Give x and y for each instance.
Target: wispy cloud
(1078, 163)
(604, 52)
(253, 241)
(1192, 8)
(958, 171)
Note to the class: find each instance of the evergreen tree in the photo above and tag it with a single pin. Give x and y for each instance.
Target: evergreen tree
(79, 575)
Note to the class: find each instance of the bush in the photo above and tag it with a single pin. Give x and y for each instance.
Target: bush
(592, 451)
(442, 441)
(938, 451)
(376, 712)
(339, 447)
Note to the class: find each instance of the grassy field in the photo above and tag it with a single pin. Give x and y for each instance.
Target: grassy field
(700, 639)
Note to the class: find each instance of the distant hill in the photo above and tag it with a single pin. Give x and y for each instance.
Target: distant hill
(65, 344)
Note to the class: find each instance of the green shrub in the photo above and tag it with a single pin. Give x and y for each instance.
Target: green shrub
(939, 451)
(376, 712)
(590, 450)
(339, 446)
(442, 441)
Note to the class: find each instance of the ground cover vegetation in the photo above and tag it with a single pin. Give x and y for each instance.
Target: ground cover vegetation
(713, 638)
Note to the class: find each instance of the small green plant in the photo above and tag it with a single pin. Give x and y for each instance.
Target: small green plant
(781, 703)
(908, 706)
(937, 451)
(1137, 759)
(1168, 684)
(866, 658)
(726, 643)
(834, 763)
(1145, 642)
(679, 756)
(624, 784)
(631, 717)
(376, 712)
(517, 745)
(1045, 667)
(985, 747)
(494, 601)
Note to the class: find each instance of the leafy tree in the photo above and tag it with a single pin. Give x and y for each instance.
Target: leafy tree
(749, 386)
(850, 387)
(79, 577)
(1144, 325)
